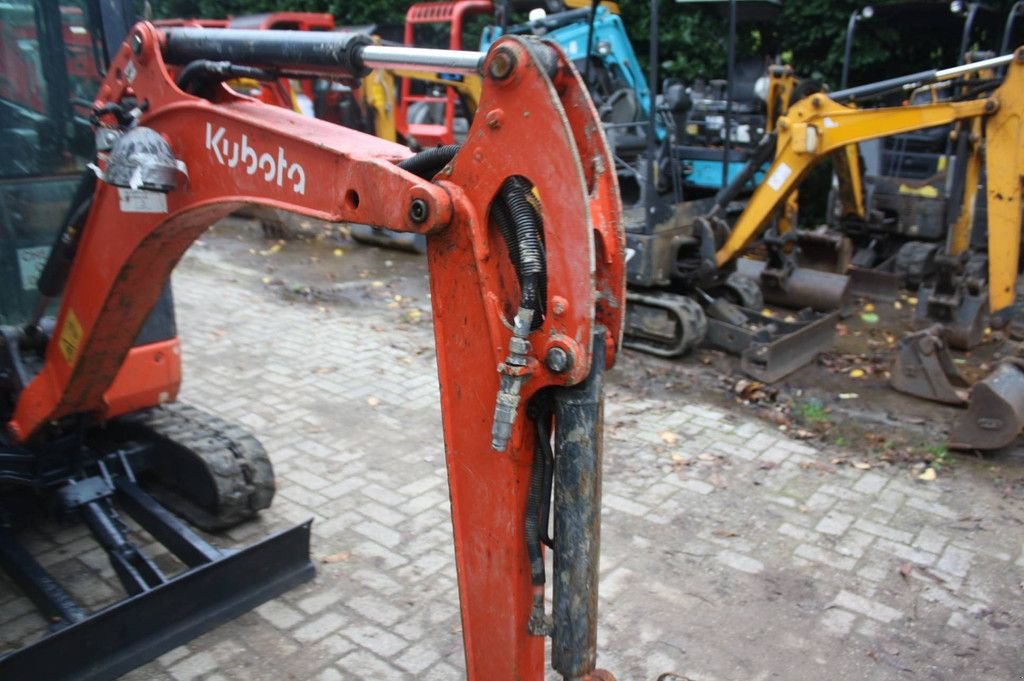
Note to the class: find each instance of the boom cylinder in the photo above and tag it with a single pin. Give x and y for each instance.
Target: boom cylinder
(351, 53)
(918, 79)
(579, 425)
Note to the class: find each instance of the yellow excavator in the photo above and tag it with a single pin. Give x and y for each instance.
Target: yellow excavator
(696, 247)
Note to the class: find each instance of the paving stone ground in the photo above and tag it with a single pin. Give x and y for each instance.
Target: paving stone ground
(730, 552)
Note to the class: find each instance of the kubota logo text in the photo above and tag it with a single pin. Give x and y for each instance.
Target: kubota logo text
(275, 170)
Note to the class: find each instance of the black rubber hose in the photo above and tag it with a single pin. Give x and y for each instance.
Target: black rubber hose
(429, 162)
(201, 73)
(534, 500)
(531, 253)
(544, 434)
(507, 228)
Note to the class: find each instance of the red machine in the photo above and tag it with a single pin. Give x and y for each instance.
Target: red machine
(526, 258)
(451, 15)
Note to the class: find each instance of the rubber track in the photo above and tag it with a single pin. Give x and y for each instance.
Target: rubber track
(237, 465)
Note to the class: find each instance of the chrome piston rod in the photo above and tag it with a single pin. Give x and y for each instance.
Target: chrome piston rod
(421, 59)
(916, 80)
(310, 51)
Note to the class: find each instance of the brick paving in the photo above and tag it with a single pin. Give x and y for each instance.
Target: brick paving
(730, 552)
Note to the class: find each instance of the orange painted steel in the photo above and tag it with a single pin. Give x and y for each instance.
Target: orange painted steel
(536, 123)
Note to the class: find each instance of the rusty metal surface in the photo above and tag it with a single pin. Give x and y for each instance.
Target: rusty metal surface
(874, 283)
(995, 411)
(826, 251)
(771, 348)
(804, 287)
(923, 368)
(962, 313)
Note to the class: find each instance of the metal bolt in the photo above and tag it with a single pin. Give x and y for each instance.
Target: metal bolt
(418, 211)
(137, 43)
(558, 360)
(502, 64)
(495, 119)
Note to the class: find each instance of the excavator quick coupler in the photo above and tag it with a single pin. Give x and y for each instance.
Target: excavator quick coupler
(957, 298)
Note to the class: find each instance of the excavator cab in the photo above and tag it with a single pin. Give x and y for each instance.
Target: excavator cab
(51, 65)
(107, 474)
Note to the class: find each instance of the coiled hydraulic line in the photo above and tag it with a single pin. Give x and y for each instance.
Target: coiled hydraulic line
(518, 219)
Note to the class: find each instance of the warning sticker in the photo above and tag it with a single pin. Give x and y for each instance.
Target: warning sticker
(70, 337)
(141, 201)
(779, 176)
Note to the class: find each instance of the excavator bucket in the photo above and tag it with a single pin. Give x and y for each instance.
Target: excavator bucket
(995, 410)
(800, 287)
(823, 250)
(923, 368)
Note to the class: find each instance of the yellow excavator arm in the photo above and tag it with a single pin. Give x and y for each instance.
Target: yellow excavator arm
(818, 126)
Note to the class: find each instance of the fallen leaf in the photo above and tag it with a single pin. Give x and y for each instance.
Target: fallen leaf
(928, 475)
(848, 396)
(862, 465)
(906, 569)
(373, 401)
(339, 557)
(706, 457)
(856, 373)
(338, 252)
(869, 318)
(668, 437)
(724, 533)
(869, 307)
(897, 304)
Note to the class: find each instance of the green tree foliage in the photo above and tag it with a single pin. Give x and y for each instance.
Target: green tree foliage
(901, 38)
(809, 34)
(345, 12)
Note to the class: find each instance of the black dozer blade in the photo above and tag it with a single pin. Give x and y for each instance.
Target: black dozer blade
(138, 629)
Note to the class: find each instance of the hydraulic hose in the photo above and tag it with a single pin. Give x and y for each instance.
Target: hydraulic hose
(531, 267)
(518, 219)
(429, 162)
(201, 72)
(538, 506)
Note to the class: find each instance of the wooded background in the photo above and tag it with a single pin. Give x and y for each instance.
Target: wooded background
(808, 34)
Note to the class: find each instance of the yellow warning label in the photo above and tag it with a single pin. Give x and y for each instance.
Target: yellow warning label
(70, 337)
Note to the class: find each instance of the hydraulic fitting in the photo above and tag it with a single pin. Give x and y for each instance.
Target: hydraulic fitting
(514, 372)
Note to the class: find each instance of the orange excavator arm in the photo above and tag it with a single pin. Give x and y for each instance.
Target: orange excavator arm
(526, 258)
